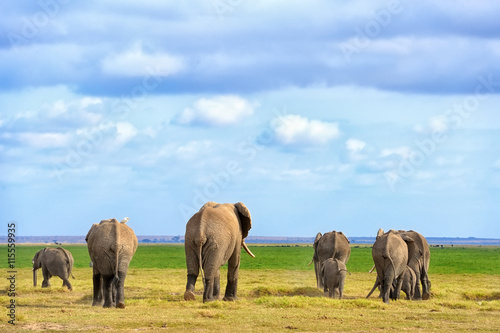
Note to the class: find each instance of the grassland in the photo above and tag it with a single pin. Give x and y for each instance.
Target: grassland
(276, 293)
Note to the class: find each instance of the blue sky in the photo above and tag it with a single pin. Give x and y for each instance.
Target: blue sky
(318, 115)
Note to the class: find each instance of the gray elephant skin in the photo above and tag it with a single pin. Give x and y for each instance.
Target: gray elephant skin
(334, 272)
(53, 262)
(419, 262)
(214, 236)
(390, 254)
(111, 246)
(408, 285)
(332, 244)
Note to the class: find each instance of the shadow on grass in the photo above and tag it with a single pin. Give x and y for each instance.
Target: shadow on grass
(300, 291)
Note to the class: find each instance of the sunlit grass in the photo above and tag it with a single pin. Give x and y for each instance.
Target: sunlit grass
(270, 299)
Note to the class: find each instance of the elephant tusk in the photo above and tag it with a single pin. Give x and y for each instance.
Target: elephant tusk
(247, 249)
(371, 270)
(309, 264)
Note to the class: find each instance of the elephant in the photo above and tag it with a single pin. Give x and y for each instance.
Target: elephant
(390, 254)
(53, 262)
(111, 245)
(214, 236)
(419, 262)
(332, 244)
(333, 272)
(409, 282)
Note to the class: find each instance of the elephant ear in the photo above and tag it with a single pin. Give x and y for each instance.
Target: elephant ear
(245, 218)
(35, 259)
(380, 232)
(315, 245)
(412, 249)
(90, 231)
(347, 239)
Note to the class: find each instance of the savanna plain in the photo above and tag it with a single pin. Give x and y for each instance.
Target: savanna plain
(277, 293)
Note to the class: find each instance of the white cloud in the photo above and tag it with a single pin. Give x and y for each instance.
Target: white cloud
(59, 108)
(192, 149)
(298, 130)
(124, 132)
(435, 124)
(355, 145)
(136, 63)
(44, 140)
(438, 124)
(217, 111)
(404, 152)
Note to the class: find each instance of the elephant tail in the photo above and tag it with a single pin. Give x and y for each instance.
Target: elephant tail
(374, 287)
(117, 234)
(69, 264)
(200, 246)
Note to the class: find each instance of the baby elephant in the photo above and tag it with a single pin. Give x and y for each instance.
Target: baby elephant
(53, 262)
(333, 271)
(409, 283)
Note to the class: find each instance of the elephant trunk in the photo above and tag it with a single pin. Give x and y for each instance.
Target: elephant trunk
(34, 277)
(247, 249)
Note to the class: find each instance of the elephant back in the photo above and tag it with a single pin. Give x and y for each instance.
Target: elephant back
(109, 243)
(390, 246)
(333, 245)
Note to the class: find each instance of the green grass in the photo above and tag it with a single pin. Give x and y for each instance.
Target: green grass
(448, 260)
(276, 293)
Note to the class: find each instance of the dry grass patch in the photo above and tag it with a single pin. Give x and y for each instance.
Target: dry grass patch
(269, 301)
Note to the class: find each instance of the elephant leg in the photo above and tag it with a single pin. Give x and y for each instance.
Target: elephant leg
(426, 286)
(386, 288)
(67, 283)
(107, 290)
(97, 280)
(208, 292)
(397, 291)
(417, 295)
(191, 282)
(319, 276)
(217, 285)
(119, 290)
(46, 278)
(331, 293)
(232, 277)
(193, 269)
(341, 289)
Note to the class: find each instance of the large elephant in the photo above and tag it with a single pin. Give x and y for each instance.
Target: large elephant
(111, 246)
(419, 262)
(53, 262)
(214, 236)
(333, 245)
(390, 254)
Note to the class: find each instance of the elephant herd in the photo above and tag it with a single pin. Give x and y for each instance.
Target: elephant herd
(215, 235)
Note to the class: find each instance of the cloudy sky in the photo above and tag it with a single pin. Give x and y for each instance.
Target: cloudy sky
(318, 115)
